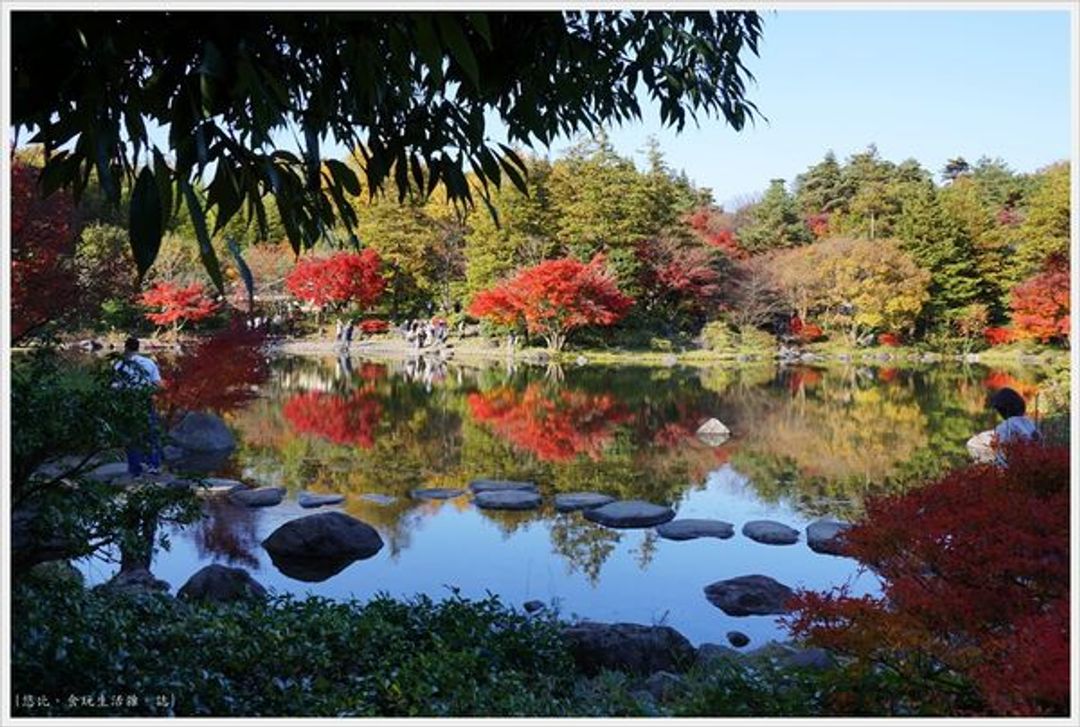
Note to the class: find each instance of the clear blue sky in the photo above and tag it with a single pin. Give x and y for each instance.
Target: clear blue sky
(924, 84)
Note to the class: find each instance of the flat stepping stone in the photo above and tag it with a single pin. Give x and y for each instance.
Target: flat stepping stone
(824, 536)
(379, 499)
(691, 528)
(478, 486)
(507, 500)
(437, 493)
(219, 486)
(754, 595)
(313, 500)
(109, 471)
(258, 497)
(770, 532)
(629, 514)
(571, 501)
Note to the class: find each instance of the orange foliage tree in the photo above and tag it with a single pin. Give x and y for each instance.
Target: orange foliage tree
(554, 298)
(554, 426)
(974, 611)
(1040, 304)
(177, 305)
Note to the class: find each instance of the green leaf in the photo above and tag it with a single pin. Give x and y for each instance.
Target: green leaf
(245, 271)
(515, 176)
(479, 22)
(458, 44)
(344, 176)
(145, 221)
(206, 250)
(163, 177)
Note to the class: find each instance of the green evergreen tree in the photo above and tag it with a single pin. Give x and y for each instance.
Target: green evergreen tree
(775, 222)
(1045, 229)
(821, 188)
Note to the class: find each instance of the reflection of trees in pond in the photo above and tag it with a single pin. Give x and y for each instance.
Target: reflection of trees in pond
(227, 531)
(350, 419)
(644, 553)
(584, 545)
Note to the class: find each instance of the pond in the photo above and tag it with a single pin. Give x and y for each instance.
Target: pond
(806, 443)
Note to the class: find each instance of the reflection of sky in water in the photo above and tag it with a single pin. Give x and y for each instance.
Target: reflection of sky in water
(799, 433)
(467, 550)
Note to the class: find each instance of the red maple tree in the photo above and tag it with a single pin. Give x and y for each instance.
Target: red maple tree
(1040, 304)
(716, 229)
(177, 305)
(372, 326)
(43, 277)
(997, 336)
(350, 419)
(221, 373)
(555, 298)
(337, 281)
(554, 426)
(677, 277)
(975, 585)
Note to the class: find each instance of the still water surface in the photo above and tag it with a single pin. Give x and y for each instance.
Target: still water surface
(807, 443)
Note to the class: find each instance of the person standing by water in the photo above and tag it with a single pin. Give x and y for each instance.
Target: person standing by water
(134, 371)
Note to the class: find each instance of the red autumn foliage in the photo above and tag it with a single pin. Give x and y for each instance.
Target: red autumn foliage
(818, 224)
(804, 332)
(1040, 305)
(975, 580)
(996, 336)
(998, 379)
(339, 280)
(715, 229)
(177, 305)
(802, 378)
(1008, 217)
(888, 375)
(888, 339)
(350, 419)
(374, 325)
(555, 298)
(222, 373)
(43, 278)
(678, 277)
(554, 426)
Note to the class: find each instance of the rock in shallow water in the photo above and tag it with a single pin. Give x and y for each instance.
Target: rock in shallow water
(257, 497)
(826, 536)
(379, 499)
(310, 500)
(633, 648)
(690, 528)
(222, 584)
(507, 500)
(324, 535)
(737, 639)
(629, 514)
(754, 595)
(478, 486)
(437, 493)
(202, 432)
(770, 532)
(570, 501)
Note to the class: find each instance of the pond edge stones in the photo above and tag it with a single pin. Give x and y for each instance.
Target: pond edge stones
(257, 497)
(629, 514)
(478, 486)
(436, 493)
(754, 595)
(691, 528)
(826, 536)
(770, 532)
(310, 500)
(507, 499)
(331, 535)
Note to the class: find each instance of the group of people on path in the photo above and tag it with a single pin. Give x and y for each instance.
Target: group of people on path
(425, 333)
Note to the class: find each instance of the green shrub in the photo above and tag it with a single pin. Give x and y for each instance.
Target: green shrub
(756, 340)
(718, 336)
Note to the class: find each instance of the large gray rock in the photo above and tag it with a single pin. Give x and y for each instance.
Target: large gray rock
(754, 595)
(629, 514)
(310, 500)
(770, 532)
(709, 653)
(570, 501)
(789, 657)
(690, 528)
(330, 535)
(437, 493)
(478, 486)
(222, 584)
(257, 497)
(826, 536)
(202, 432)
(632, 648)
(507, 500)
(135, 581)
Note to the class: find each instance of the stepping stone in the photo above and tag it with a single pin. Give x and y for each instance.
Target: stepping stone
(258, 497)
(823, 536)
(570, 501)
(690, 528)
(737, 639)
(312, 500)
(507, 500)
(770, 532)
(218, 486)
(109, 471)
(379, 499)
(629, 514)
(478, 486)
(754, 595)
(437, 493)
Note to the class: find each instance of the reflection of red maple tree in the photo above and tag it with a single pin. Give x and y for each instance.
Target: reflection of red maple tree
(220, 374)
(555, 426)
(998, 379)
(342, 419)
